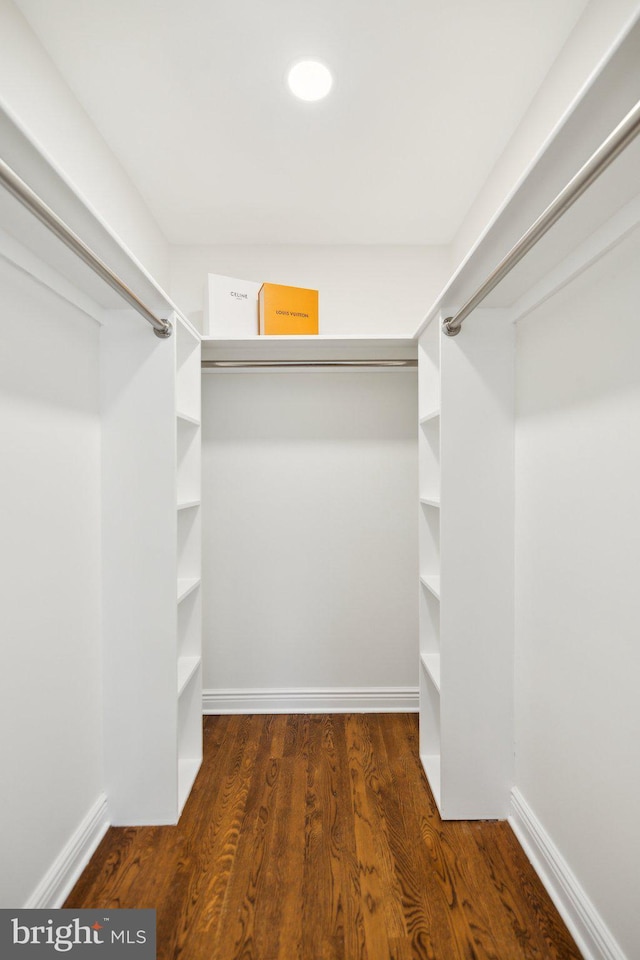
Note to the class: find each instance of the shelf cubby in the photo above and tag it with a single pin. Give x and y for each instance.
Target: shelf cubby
(429, 538)
(188, 504)
(187, 586)
(187, 418)
(187, 372)
(430, 751)
(429, 376)
(429, 416)
(189, 625)
(189, 544)
(429, 621)
(188, 462)
(187, 667)
(431, 664)
(429, 459)
(189, 734)
(432, 583)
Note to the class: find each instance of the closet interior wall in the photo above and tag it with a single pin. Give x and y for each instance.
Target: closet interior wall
(38, 99)
(309, 540)
(577, 469)
(50, 556)
(56, 322)
(364, 290)
(573, 304)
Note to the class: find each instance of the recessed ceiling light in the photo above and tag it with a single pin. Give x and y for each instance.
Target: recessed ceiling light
(309, 80)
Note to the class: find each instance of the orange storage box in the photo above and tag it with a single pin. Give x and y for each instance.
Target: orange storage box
(287, 310)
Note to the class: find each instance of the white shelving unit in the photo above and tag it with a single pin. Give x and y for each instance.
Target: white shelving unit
(189, 549)
(151, 551)
(465, 516)
(466, 445)
(150, 436)
(429, 546)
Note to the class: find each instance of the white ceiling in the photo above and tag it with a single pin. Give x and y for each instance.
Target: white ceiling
(191, 97)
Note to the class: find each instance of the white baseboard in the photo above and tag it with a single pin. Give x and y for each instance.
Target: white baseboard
(594, 939)
(312, 700)
(56, 884)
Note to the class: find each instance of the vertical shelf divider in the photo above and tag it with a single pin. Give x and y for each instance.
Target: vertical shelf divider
(466, 516)
(429, 554)
(188, 568)
(152, 670)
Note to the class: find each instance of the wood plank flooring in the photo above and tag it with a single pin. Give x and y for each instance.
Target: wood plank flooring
(315, 837)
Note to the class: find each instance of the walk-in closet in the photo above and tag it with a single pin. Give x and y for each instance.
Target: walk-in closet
(322, 645)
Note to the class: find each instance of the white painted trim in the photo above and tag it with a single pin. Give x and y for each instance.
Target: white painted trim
(616, 229)
(57, 882)
(593, 937)
(312, 700)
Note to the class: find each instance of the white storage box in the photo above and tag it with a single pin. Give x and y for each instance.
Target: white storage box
(231, 308)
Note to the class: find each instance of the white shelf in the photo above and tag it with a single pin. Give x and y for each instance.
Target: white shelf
(432, 583)
(187, 667)
(592, 116)
(33, 164)
(430, 501)
(431, 765)
(428, 417)
(187, 418)
(314, 347)
(187, 586)
(431, 664)
(187, 504)
(187, 773)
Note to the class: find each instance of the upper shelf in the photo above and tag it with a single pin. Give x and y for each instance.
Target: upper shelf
(605, 99)
(30, 238)
(321, 347)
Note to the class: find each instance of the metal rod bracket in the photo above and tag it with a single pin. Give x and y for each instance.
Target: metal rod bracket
(165, 333)
(449, 328)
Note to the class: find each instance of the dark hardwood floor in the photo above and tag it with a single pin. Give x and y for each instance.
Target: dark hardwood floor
(316, 838)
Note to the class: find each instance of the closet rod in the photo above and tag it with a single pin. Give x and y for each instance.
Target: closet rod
(29, 199)
(226, 364)
(616, 142)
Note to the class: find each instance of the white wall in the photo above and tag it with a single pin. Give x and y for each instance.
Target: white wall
(577, 564)
(363, 289)
(601, 24)
(51, 702)
(309, 530)
(34, 93)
